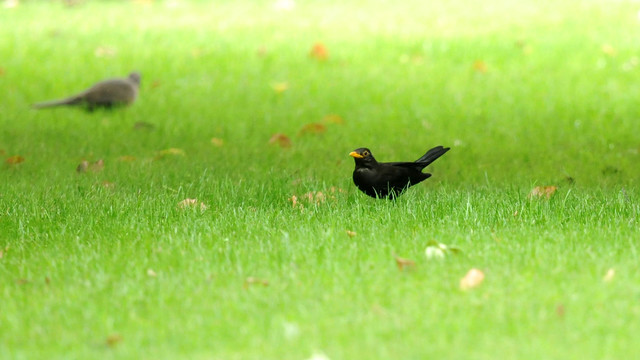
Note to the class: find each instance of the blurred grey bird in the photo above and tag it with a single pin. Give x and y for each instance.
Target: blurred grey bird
(106, 94)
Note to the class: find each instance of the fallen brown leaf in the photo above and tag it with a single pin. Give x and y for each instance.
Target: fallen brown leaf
(108, 184)
(281, 140)
(473, 278)
(85, 166)
(113, 340)
(404, 264)
(319, 51)
(542, 191)
(193, 204)
(294, 200)
(312, 128)
(14, 160)
(97, 166)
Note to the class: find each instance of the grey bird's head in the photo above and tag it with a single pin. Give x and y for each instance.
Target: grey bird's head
(135, 77)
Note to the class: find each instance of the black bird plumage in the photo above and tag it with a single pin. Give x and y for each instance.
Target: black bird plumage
(389, 180)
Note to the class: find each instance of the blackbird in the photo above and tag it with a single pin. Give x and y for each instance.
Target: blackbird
(389, 180)
(106, 94)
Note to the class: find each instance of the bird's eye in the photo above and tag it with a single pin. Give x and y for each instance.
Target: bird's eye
(365, 153)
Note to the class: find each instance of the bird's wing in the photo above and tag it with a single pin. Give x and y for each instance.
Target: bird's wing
(111, 91)
(407, 165)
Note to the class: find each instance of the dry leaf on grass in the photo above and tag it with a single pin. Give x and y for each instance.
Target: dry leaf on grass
(192, 204)
(404, 264)
(108, 184)
(542, 192)
(14, 160)
(281, 140)
(255, 281)
(473, 278)
(113, 340)
(86, 166)
(312, 128)
(294, 200)
(319, 51)
(314, 197)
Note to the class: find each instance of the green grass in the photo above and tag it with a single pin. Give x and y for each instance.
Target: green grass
(83, 263)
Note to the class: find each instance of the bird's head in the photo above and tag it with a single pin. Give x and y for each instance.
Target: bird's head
(362, 156)
(135, 77)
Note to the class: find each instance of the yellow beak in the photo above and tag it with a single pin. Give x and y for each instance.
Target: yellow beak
(355, 155)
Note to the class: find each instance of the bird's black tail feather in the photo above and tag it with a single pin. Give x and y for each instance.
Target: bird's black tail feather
(432, 155)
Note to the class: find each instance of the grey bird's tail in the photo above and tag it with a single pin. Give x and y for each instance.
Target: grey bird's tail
(72, 100)
(432, 155)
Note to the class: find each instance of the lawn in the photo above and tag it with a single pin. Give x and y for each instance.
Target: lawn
(280, 256)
